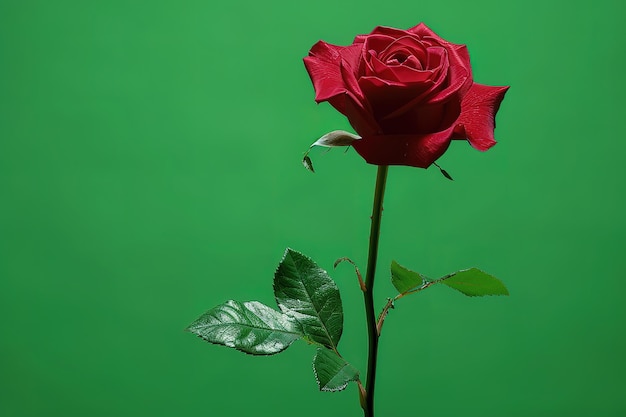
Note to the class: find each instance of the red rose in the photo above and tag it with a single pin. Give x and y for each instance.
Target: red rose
(407, 93)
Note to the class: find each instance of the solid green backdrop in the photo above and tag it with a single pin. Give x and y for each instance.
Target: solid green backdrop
(150, 169)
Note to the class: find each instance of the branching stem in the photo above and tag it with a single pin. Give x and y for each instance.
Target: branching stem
(391, 301)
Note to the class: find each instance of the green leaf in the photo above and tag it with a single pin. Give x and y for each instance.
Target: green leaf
(250, 327)
(305, 292)
(332, 372)
(404, 279)
(474, 282)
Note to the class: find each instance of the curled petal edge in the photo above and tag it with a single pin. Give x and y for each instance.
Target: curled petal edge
(478, 115)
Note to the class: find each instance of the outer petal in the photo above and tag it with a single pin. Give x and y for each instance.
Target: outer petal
(461, 55)
(458, 55)
(322, 64)
(360, 119)
(422, 30)
(478, 112)
(389, 31)
(412, 150)
(333, 70)
(324, 67)
(353, 105)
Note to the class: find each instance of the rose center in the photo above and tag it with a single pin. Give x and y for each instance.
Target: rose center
(404, 58)
(397, 58)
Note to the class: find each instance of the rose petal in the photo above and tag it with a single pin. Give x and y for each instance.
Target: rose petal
(371, 48)
(351, 56)
(460, 66)
(458, 55)
(430, 118)
(388, 31)
(422, 31)
(375, 67)
(325, 75)
(385, 96)
(412, 150)
(324, 67)
(326, 78)
(478, 112)
(427, 35)
(399, 74)
(408, 75)
(407, 44)
(332, 70)
(458, 82)
(436, 57)
(354, 105)
(378, 42)
(360, 119)
(422, 95)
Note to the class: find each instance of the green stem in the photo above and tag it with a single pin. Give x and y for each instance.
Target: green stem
(370, 314)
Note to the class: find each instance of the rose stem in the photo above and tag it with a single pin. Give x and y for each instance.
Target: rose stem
(370, 314)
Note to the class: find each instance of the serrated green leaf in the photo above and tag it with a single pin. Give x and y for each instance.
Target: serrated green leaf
(305, 292)
(332, 372)
(404, 279)
(250, 327)
(474, 282)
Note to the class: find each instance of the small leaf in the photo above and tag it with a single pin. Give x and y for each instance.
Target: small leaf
(250, 327)
(443, 172)
(474, 282)
(332, 372)
(336, 138)
(404, 279)
(308, 164)
(305, 292)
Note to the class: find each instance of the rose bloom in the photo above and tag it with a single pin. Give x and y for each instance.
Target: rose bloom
(407, 93)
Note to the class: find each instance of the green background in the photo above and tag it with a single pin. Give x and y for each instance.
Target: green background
(150, 168)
